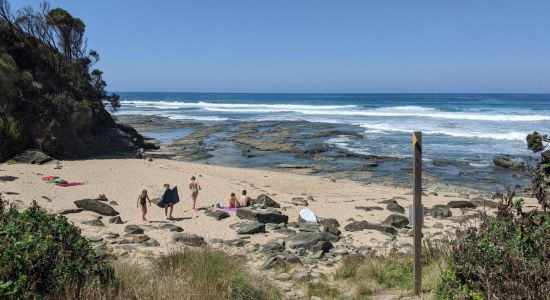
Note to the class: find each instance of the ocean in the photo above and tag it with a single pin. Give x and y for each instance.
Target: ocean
(466, 128)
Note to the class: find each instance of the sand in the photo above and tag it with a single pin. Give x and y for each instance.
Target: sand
(122, 180)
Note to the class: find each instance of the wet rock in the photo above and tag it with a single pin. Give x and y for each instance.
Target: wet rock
(369, 208)
(505, 162)
(307, 240)
(133, 229)
(188, 239)
(397, 221)
(291, 166)
(262, 215)
(395, 207)
(438, 211)
(362, 225)
(461, 204)
(330, 225)
(264, 199)
(94, 222)
(32, 157)
(217, 214)
(67, 211)
(252, 229)
(96, 206)
(115, 220)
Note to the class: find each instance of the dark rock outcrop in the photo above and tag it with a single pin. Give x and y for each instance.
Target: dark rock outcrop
(252, 228)
(362, 225)
(505, 162)
(133, 229)
(217, 214)
(308, 240)
(262, 215)
(188, 239)
(96, 206)
(461, 204)
(264, 199)
(32, 157)
(397, 221)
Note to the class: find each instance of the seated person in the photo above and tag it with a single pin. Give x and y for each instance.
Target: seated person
(244, 200)
(233, 202)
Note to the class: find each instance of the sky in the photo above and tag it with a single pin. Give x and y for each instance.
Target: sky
(327, 46)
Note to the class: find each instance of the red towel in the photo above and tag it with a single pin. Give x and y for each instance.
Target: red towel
(49, 178)
(69, 184)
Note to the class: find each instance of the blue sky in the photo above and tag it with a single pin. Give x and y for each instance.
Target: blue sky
(318, 45)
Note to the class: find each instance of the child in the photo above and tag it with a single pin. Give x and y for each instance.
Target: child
(142, 201)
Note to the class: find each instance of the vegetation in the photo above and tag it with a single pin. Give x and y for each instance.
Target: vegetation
(42, 255)
(507, 257)
(51, 96)
(376, 273)
(192, 274)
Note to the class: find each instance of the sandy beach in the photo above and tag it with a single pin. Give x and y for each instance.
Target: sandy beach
(121, 180)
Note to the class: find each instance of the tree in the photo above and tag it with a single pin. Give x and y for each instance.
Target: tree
(70, 32)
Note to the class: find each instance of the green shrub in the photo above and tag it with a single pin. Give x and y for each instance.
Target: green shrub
(42, 254)
(508, 257)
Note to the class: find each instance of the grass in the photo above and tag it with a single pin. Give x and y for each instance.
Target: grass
(376, 274)
(188, 274)
(323, 291)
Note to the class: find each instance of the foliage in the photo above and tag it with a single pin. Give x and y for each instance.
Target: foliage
(41, 254)
(508, 257)
(201, 273)
(50, 93)
(323, 291)
(377, 273)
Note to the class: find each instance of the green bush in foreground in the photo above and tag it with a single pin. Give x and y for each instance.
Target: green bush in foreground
(508, 257)
(43, 255)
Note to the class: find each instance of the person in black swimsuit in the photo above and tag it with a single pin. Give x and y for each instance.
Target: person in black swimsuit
(142, 200)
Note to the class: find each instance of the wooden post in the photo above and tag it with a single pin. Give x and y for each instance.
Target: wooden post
(417, 215)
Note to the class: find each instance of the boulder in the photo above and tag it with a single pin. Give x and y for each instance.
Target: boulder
(438, 211)
(94, 222)
(252, 228)
(272, 248)
(299, 202)
(505, 162)
(461, 204)
(264, 199)
(308, 240)
(217, 214)
(395, 207)
(369, 208)
(188, 239)
(67, 211)
(115, 220)
(32, 157)
(362, 225)
(397, 221)
(176, 228)
(330, 225)
(480, 202)
(133, 229)
(262, 215)
(309, 227)
(96, 206)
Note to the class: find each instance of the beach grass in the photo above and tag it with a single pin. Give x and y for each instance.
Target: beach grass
(201, 273)
(375, 274)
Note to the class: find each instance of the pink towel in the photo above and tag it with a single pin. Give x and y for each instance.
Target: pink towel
(68, 184)
(230, 209)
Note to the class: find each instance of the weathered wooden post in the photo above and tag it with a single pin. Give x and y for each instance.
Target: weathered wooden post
(417, 214)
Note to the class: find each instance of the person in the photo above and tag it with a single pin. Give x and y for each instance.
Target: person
(195, 187)
(233, 202)
(139, 154)
(168, 204)
(142, 200)
(244, 201)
